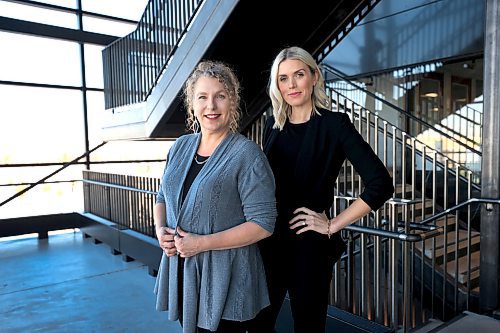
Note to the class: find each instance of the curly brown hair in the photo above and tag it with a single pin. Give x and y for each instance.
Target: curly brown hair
(226, 76)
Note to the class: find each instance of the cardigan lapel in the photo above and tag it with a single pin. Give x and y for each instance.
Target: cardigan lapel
(218, 156)
(185, 164)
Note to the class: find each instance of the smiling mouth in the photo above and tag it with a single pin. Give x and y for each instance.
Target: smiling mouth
(294, 94)
(212, 116)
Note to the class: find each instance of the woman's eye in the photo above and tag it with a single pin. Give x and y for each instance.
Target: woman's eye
(202, 97)
(282, 79)
(221, 96)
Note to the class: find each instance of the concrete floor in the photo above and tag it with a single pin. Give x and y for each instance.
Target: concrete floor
(69, 284)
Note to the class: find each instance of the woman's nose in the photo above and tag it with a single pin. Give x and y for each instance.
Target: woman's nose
(211, 104)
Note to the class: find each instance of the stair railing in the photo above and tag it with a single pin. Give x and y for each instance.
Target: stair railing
(380, 278)
(455, 145)
(132, 65)
(434, 181)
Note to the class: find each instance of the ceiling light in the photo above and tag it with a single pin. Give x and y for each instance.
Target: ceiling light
(431, 94)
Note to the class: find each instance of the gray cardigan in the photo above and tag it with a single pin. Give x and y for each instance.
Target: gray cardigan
(235, 185)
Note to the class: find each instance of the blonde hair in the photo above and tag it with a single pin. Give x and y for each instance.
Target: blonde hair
(226, 76)
(281, 109)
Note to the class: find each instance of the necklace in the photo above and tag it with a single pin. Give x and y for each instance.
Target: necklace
(198, 162)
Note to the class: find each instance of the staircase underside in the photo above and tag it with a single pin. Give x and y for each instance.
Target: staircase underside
(249, 40)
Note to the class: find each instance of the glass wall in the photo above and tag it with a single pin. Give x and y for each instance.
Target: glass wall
(43, 123)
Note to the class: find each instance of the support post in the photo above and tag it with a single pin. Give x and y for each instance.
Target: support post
(490, 176)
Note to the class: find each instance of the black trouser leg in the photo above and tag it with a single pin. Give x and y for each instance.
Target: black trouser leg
(275, 265)
(310, 276)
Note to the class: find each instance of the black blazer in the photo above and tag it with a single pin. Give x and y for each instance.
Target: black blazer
(331, 138)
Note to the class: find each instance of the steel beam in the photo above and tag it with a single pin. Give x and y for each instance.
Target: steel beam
(490, 231)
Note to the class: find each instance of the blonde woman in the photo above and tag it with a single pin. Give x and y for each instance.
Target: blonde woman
(306, 144)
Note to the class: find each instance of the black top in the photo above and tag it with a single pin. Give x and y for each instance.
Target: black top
(194, 170)
(283, 157)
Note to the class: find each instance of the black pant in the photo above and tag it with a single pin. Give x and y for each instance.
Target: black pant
(301, 265)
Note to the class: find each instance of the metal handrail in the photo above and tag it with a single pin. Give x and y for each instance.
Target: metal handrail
(460, 205)
(405, 237)
(121, 187)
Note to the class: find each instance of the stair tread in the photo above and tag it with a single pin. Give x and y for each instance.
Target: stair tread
(450, 220)
(462, 238)
(450, 235)
(445, 221)
(475, 261)
(417, 206)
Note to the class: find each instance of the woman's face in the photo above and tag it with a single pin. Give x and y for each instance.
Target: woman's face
(296, 83)
(212, 105)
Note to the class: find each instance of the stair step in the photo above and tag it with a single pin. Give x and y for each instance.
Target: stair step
(439, 252)
(475, 261)
(416, 208)
(449, 221)
(398, 190)
(428, 327)
(470, 322)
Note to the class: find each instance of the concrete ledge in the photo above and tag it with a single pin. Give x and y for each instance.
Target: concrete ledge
(41, 224)
(142, 248)
(102, 230)
(131, 244)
